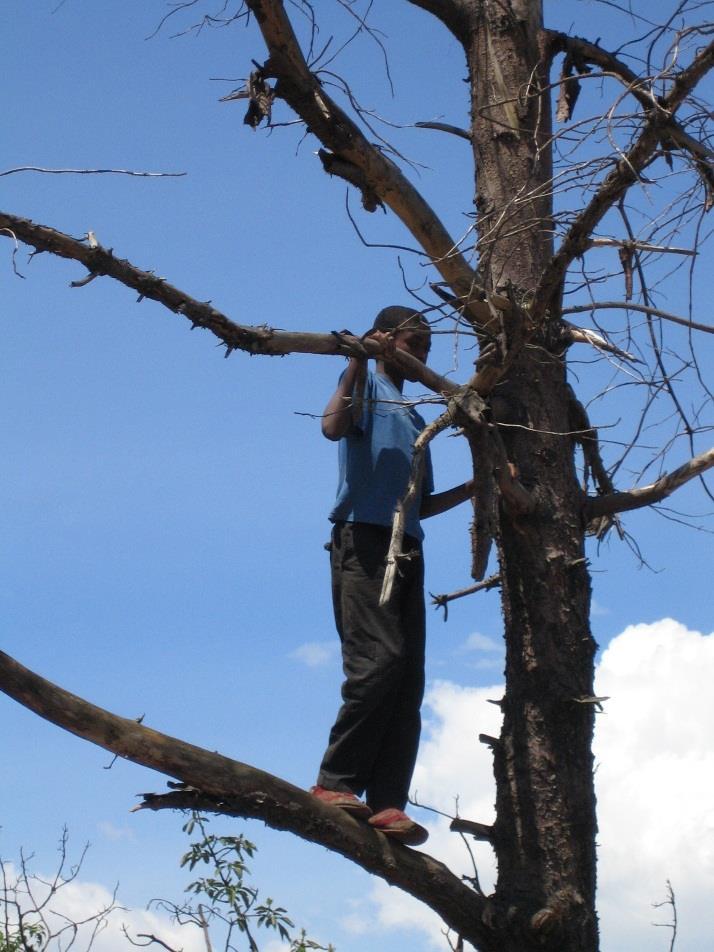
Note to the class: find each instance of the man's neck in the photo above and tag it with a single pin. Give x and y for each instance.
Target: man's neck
(391, 373)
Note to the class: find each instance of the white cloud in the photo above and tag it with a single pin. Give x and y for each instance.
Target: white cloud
(655, 776)
(655, 752)
(488, 652)
(113, 832)
(315, 654)
(478, 642)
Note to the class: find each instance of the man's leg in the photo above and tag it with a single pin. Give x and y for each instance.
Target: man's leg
(373, 653)
(393, 764)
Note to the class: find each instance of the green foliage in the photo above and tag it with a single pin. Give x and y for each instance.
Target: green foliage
(224, 900)
(24, 937)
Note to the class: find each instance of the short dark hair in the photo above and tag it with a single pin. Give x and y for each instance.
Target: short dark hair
(398, 318)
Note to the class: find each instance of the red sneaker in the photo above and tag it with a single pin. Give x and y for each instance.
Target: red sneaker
(399, 826)
(342, 799)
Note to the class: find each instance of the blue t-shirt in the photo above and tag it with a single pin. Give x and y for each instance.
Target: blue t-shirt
(375, 459)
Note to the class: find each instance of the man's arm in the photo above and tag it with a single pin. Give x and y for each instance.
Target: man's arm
(337, 418)
(436, 503)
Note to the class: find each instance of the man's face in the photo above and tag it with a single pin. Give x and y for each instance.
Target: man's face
(414, 341)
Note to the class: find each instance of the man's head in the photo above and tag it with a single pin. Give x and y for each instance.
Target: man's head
(409, 328)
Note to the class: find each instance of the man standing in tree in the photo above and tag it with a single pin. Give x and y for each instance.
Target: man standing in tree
(373, 744)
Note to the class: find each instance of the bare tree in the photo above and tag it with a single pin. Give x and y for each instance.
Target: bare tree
(559, 214)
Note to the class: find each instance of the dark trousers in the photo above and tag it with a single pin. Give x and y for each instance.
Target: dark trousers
(373, 743)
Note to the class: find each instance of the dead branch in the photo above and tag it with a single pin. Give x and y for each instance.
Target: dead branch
(452, 14)
(643, 309)
(517, 499)
(11, 234)
(586, 436)
(228, 787)
(468, 410)
(301, 89)
(445, 127)
(625, 173)
(442, 601)
(673, 925)
(265, 340)
(640, 246)
(483, 525)
(394, 553)
(655, 492)
(37, 168)
(583, 335)
(479, 831)
(640, 88)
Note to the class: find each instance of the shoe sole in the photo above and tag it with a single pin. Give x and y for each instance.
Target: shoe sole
(409, 836)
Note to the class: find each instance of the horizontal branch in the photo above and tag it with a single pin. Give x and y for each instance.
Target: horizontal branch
(583, 335)
(37, 168)
(642, 308)
(446, 127)
(654, 493)
(237, 789)
(442, 601)
(641, 246)
(254, 340)
(479, 831)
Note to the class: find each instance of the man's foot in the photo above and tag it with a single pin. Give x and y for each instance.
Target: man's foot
(399, 826)
(342, 799)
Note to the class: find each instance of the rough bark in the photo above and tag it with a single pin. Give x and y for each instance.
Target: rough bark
(544, 833)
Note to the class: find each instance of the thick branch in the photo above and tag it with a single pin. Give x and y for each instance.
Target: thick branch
(655, 492)
(254, 340)
(301, 89)
(240, 790)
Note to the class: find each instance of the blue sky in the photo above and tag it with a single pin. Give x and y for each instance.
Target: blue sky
(163, 509)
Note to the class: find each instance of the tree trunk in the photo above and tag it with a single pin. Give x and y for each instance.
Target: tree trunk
(544, 834)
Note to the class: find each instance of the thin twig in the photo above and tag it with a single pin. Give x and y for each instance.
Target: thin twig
(442, 601)
(36, 168)
(642, 308)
